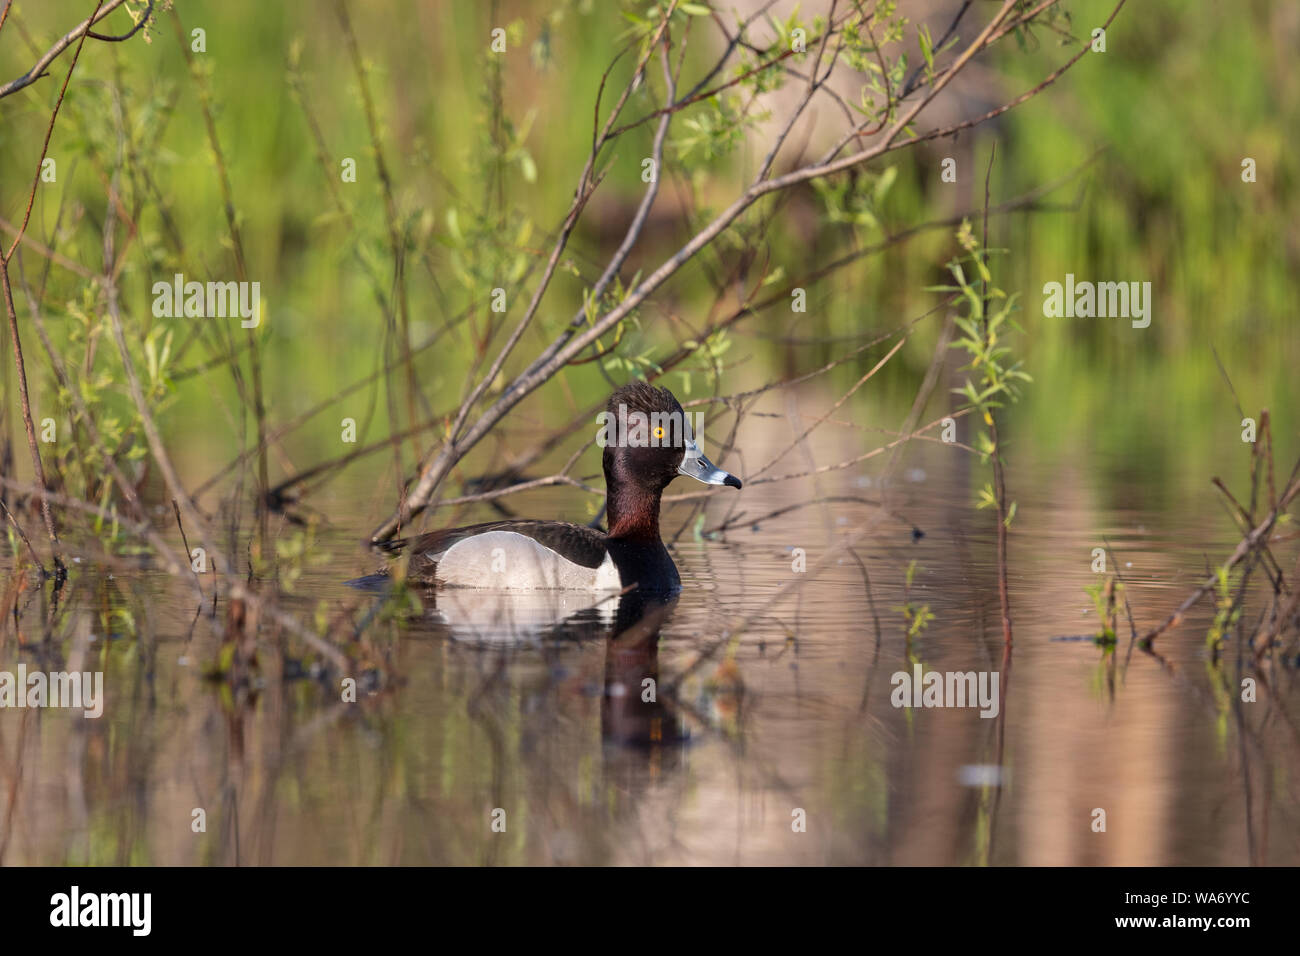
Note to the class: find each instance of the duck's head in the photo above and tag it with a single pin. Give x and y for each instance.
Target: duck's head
(649, 441)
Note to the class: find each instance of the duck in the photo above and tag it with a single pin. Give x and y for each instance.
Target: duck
(647, 443)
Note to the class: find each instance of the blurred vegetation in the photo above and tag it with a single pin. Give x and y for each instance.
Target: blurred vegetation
(484, 151)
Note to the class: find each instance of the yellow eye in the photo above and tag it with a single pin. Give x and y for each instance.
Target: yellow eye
(658, 432)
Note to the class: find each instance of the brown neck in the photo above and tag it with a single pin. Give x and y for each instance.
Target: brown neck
(636, 516)
(633, 513)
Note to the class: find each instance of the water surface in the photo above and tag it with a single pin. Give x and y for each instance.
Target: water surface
(530, 710)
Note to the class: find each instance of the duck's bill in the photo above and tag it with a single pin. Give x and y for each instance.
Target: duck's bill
(695, 465)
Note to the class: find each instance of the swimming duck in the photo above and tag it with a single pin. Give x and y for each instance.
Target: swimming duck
(647, 442)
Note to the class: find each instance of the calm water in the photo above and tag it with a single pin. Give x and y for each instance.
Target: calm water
(525, 705)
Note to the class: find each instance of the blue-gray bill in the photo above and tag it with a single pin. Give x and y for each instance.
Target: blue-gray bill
(695, 465)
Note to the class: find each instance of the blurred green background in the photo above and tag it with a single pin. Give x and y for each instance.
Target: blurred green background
(484, 154)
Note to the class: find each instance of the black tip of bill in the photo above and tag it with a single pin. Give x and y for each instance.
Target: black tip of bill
(695, 465)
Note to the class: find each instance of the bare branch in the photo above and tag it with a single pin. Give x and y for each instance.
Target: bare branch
(77, 33)
(564, 349)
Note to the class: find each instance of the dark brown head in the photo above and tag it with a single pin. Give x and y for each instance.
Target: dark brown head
(648, 441)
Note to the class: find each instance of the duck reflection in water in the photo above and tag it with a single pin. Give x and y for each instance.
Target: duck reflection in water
(634, 710)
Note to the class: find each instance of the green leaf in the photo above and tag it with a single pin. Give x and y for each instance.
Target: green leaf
(927, 46)
(885, 181)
